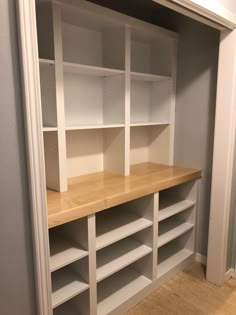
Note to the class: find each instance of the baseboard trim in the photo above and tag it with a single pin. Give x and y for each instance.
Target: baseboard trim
(229, 274)
(200, 258)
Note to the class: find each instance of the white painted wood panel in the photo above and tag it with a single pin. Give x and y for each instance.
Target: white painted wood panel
(93, 99)
(150, 144)
(90, 70)
(75, 306)
(48, 94)
(84, 152)
(118, 288)
(114, 225)
(115, 257)
(169, 208)
(51, 158)
(82, 45)
(169, 260)
(63, 252)
(171, 229)
(65, 285)
(95, 150)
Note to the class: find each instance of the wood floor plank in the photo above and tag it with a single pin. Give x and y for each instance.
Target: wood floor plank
(188, 293)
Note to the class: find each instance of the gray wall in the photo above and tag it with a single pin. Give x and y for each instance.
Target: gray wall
(195, 110)
(17, 292)
(196, 94)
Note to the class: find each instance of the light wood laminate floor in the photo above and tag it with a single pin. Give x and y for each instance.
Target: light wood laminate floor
(188, 293)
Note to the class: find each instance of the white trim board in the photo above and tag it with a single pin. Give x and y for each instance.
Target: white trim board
(201, 259)
(37, 182)
(229, 274)
(223, 159)
(207, 12)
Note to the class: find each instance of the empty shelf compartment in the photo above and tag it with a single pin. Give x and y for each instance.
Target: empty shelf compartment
(78, 305)
(69, 281)
(114, 225)
(63, 252)
(65, 310)
(171, 207)
(172, 228)
(170, 255)
(119, 255)
(118, 288)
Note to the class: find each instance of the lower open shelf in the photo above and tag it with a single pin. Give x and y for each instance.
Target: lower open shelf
(63, 252)
(65, 285)
(172, 261)
(118, 288)
(171, 229)
(78, 305)
(115, 257)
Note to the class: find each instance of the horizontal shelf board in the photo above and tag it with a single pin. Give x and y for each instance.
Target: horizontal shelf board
(94, 127)
(112, 227)
(90, 70)
(65, 285)
(152, 123)
(170, 208)
(47, 129)
(172, 261)
(113, 258)
(148, 77)
(118, 288)
(63, 253)
(46, 61)
(171, 231)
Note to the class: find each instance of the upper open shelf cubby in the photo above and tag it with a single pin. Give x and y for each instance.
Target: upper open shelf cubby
(92, 40)
(150, 54)
(48, 93)
(93, 100)
(150, 102)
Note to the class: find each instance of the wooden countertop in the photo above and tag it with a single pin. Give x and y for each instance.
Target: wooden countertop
(91, 193)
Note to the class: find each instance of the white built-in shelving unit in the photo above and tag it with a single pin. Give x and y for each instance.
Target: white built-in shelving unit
(108, 102)
(108, 91)
(113, 255)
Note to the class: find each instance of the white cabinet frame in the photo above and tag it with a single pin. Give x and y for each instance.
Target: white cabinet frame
(223, 146)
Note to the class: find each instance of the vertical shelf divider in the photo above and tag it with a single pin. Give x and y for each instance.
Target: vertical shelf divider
(127, 97)
(92, 263)
(155, 235)
(173, 99)
(57, 30)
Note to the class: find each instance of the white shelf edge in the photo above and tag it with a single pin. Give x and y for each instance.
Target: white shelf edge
(138, 76)
(73, 286)
(169, 263)
(63, 253)
(90, 70)
(48, 129)
(158, 123)
(174, 233)
(135, 225)
(174, 209)
(84, 127)
(46, 61)
(134, 252)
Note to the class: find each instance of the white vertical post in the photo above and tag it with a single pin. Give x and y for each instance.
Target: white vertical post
(224, 142)
(127, 98)
(92, 263)
(57, 31)
(173, 100)
(155, 234)
(33, 121)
